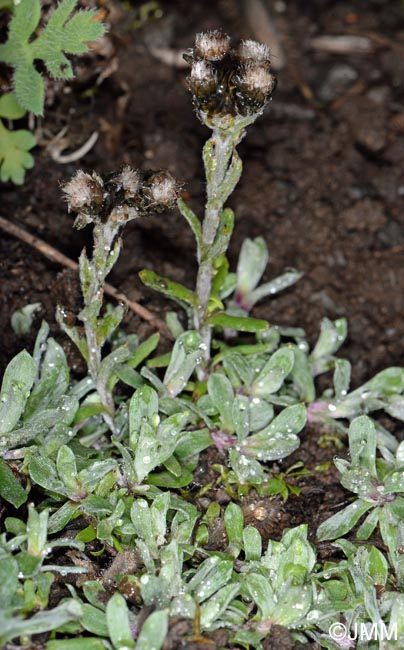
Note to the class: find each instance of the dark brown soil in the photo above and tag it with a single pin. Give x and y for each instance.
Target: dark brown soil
(323, 183)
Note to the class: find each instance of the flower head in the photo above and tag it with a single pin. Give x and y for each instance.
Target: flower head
(228, 79)
(203, 78)
(85, 195)
(119, 197)
(83, 191)
(255, 84)
(161, 190)
(130, 180)
(212, 45)
(253, 52)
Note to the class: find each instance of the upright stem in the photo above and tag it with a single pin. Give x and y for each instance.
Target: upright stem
(220, 161)
(219, 150)
(104, 237)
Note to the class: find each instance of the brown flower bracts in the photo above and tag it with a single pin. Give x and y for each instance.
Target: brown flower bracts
(229, 79)
(120, 197)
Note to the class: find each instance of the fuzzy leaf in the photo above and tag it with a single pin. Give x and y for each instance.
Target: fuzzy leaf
(63, 33)
(216, 606)
(221, 393)
(247, 470)
(193, 222)
(273, 287)
(251, 265)
(109, 323)
(274, 373)
(144, 350)
(242, 324)
(342, 378)
(223, 234)
(233, 521)
(262, 594)
(377, 567)
(143, 407)
(17, 381)
(362, 443)
(279, 438)
(252, 544)
(367, 527)
(117, 614)
(174, 290)
(66, 467)
(231, 178)
(332, 336)
(153, 632)
(11, 489)
(69, 610)
(341, 523)
(43, 472)
(302, 377)
(186, 355)
(8, 580)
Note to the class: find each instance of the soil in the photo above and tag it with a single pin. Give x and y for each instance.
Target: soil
(323, 183)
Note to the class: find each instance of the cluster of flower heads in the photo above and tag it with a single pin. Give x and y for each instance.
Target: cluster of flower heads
(227, 78)
(119, 197)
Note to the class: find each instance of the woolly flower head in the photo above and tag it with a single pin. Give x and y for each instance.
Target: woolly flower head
(212, 45)
(257, 78)
(202, 72)
(129, 179)
(229, 79)
(252, 51)
(83, 191)
(162, 190)
(119, 197)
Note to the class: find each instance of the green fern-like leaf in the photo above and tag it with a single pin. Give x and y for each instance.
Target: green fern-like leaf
(14, 154)
(63, 34)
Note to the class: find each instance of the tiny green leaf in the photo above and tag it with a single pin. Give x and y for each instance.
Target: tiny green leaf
(341, 523)
(144, 350)
(274, 373)
(252, 261)
(233, 521)
(240, 323)
(223, 234)
(10, 488)
(174, 290)
(186, 355)
(193, 222)
(153, 632)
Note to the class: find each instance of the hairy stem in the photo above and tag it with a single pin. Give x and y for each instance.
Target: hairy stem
(104, 237)
(219, 156)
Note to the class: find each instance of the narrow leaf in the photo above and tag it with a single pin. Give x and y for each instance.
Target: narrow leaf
(242, 324)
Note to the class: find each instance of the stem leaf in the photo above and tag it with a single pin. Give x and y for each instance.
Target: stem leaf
(169, 288)
(240, 323)
(193, 222)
